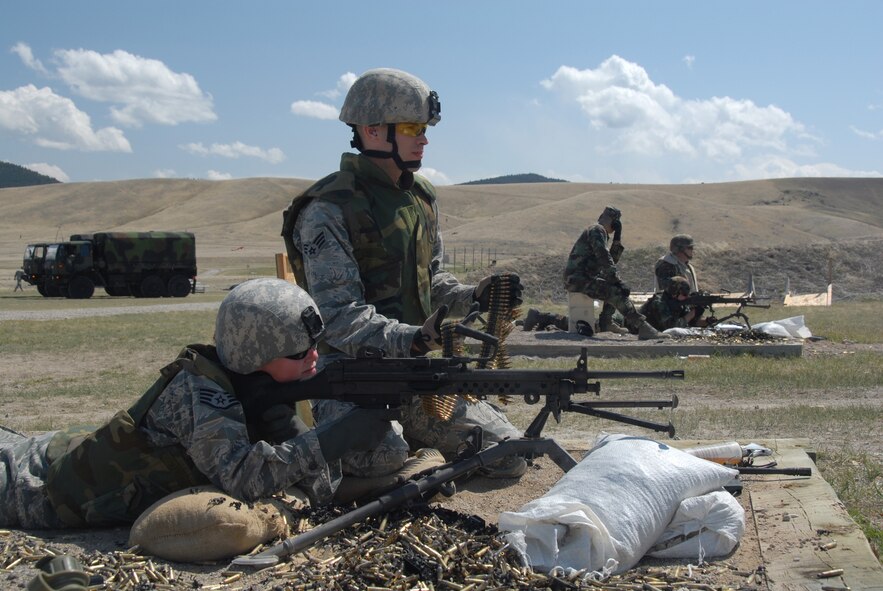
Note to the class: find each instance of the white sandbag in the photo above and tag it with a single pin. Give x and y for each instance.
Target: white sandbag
(793, 327)
(703, 527)
(204, 523)
(614, 504)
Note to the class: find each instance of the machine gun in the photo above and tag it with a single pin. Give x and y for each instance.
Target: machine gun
(705, 300)
(372, 380)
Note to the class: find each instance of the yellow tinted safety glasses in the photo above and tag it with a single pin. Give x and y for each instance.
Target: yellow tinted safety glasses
(411, 129)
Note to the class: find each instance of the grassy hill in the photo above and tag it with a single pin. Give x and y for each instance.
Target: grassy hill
(526, 224)
(13, 175)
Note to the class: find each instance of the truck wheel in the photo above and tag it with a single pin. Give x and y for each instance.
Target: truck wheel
(80, 288)
(42, 290)
(152, 286)
(52, 291)
(179, 286)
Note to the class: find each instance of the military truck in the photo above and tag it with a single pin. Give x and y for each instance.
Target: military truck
(141, 264)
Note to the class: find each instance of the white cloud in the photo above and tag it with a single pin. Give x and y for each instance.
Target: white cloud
(54, 121)
(689, 60)
(314, 109)
(147, 89)
(235, 150)
(632, 114)
(49, 170)
(214, 175)
(868, 135)
(772, 167)
(343, 86)
(23, 50)
(165, 173)
(435, 177)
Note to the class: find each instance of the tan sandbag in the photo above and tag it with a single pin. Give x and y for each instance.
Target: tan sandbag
(203, 524)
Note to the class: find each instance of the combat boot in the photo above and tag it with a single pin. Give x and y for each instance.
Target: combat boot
(531, 319)
(606, 324)
(559, 322)
(647, 332)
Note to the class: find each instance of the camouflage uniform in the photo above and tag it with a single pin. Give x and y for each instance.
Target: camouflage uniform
(201, 422)
(383, 302)
(670, 266)
(590, 270)
(190, 428)
(663, 311)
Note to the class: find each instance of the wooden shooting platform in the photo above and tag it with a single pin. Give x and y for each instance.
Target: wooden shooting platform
(800, 528)
(558, 343)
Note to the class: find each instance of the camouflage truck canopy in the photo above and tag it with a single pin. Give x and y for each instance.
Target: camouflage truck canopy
(133, 251)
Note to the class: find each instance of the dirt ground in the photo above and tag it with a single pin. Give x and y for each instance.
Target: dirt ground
(480, 497)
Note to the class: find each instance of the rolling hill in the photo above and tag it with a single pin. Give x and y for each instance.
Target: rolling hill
(518, 221)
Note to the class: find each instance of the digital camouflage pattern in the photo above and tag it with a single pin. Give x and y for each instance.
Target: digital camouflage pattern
(264, 319)
(386, 306)
(187, 427)
(386, 95)
(590, 270)
(376, 281)
(421, 430)
(663, 311)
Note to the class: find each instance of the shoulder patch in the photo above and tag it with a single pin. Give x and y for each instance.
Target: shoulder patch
(217, 398)
(312, 247)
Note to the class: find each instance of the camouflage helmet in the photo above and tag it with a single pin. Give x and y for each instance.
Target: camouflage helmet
(263, 319)
(680, 242)
(385, 95)
(678, 286)
(611, 213)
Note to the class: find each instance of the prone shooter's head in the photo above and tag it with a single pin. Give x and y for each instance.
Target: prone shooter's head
(264, 319)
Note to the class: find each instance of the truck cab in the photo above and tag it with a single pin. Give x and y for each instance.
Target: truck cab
(32, 263)
(68, 269)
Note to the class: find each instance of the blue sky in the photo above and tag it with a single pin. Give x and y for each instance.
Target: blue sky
(643, 92)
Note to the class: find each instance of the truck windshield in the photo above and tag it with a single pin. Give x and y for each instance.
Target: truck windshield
(52, 252)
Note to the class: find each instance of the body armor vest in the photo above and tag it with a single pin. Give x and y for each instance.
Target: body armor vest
(112, 475)
(392, 233)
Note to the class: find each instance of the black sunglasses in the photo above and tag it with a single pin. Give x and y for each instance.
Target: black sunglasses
(302, 354)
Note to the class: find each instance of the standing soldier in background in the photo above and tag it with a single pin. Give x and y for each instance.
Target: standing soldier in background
(677, 264)
(591, 270)
(364, 241)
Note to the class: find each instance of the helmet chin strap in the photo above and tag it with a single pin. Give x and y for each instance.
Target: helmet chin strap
(406, 166)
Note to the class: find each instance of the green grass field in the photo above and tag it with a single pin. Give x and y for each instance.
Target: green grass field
(106, 362)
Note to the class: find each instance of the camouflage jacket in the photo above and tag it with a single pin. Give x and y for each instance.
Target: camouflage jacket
(188, 429)
(590, 258)
(663, 312)
(670, 266)
(369, 253)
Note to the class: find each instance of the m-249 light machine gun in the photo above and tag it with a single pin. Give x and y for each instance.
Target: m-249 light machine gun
(704, 300)
(374, 381)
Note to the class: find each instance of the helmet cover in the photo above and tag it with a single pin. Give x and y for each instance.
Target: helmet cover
(264, 319)
(386, 95)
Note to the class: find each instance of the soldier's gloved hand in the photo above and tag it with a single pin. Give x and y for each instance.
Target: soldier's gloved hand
(617, 231)
(482, 292)
(428, 338)
(360, 429)
(280, 423)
